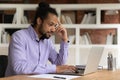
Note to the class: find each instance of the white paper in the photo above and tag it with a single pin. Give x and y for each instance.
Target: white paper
(51, 76)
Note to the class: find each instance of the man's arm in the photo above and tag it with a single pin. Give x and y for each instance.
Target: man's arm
(61, 57)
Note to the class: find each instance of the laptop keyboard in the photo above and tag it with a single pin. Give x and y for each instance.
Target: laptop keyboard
(80, 70)
(80, 67)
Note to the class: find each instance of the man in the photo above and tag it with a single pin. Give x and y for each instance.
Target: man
(30, 49)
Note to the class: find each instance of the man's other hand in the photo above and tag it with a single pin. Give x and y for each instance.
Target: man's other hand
(63, 68)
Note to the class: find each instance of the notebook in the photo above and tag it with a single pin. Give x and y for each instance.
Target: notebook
(92, 63)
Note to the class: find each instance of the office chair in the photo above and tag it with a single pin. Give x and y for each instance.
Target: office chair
(3, 65)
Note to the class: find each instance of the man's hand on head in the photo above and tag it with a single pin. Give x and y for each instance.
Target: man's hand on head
(62, 32)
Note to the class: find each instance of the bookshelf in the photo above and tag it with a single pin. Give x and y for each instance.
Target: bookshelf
(77, 52)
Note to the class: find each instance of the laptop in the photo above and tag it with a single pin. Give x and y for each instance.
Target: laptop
(92, 63)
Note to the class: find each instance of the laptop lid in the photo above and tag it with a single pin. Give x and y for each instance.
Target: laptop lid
(93, 59)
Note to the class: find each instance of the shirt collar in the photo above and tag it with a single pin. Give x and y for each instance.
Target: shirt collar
(33, 34)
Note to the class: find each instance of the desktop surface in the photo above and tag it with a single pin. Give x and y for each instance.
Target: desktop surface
(102, 75)
(99, 75)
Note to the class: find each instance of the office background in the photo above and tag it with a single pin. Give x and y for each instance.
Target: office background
(96, 37)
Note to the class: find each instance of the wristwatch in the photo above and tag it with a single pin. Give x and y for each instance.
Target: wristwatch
(68, 41)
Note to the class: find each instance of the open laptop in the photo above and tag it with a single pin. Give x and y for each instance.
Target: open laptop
(92, 63)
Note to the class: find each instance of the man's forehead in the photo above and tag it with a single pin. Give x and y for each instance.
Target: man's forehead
(53, 18)
(53, 21)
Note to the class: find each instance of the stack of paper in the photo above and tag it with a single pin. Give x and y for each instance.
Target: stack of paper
(55, 76)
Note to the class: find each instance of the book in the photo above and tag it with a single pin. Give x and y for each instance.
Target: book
(4, 37)
(84, 19)
(24, 20)
(69, 16)
(115, 39)
(72, 39)
(68, 19)
(109, 39)
(88, 37)
(92, 19)
(89, 15)
(63, 20)
(14, 19)
(85, 39)
(89, 18)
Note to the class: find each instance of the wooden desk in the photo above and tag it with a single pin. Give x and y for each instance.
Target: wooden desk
(99, 75)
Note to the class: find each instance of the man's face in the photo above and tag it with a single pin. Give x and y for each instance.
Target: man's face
(47, 28)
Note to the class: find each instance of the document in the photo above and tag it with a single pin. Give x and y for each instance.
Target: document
(55, 76)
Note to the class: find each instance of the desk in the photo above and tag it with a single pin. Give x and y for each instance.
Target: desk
(99, 75)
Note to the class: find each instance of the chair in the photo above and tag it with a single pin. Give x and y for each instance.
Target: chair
(3, 65)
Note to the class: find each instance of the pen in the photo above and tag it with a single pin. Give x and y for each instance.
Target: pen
(59, 77)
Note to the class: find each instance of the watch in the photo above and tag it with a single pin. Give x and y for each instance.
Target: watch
(68, 41)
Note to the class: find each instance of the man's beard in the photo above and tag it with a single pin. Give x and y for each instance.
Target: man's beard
(44, 36)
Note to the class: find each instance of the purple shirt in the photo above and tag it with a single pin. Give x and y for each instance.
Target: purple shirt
(28, 55)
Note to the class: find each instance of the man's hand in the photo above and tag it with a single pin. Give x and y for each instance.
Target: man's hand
(62, 33)
(62, 68)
